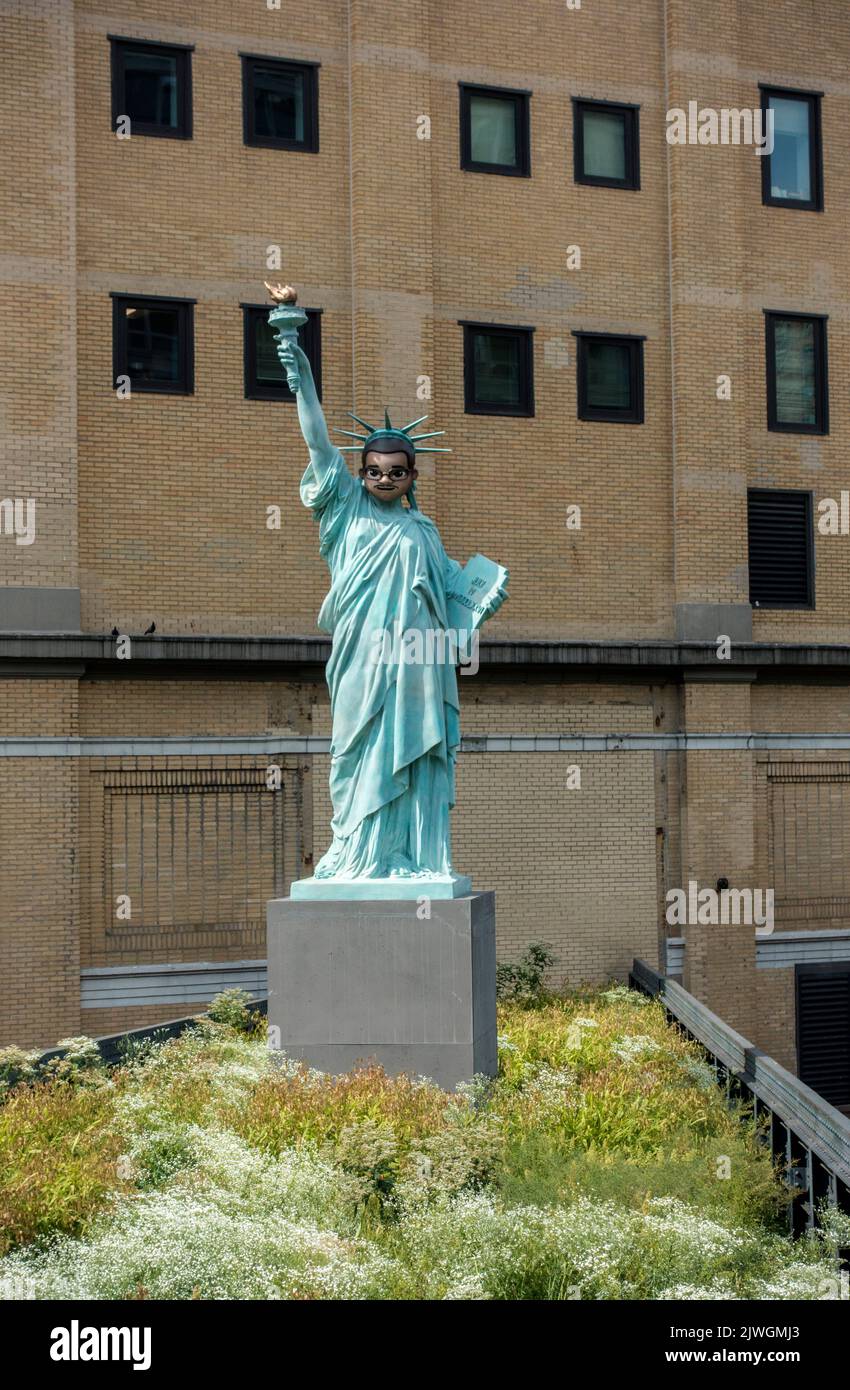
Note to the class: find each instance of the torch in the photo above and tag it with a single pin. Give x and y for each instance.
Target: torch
(286, 320)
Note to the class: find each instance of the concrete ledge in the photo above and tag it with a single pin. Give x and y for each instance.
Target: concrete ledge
(228, 655)
(316, 890)
(285, 745)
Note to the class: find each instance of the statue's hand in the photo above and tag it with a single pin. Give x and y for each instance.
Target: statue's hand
(497, 600)
(293, 359)
(291, 355)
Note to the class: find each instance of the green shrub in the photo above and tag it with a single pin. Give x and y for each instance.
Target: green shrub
(231, 1007)
(523, 981)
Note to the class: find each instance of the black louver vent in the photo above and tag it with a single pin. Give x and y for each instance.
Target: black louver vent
(823, 1032)
(780, 548)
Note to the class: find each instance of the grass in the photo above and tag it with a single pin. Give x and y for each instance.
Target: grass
(602, 1163)
(58, 1160)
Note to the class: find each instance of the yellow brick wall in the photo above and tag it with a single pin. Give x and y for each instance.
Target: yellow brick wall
(174, 491)
(156, 506)
(38, 349)
(131, 708)
(39, 882)
(574, 867)
(718, 815)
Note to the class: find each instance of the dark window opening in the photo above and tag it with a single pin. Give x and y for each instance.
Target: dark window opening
(610, 378)
(781, 548)
(792, 174)
(152, 343)
(606, 144)
(498, 370)
(152, 85)
(823, 1030)
(796, 361)
(494, 131)
(265, 379)
(280, 104)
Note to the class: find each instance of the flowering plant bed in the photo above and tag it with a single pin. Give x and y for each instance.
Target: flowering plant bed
(602, 1163)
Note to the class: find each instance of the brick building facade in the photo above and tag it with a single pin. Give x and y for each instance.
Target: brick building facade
(461, 190)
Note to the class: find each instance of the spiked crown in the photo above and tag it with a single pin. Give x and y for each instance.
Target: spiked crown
(369, 439)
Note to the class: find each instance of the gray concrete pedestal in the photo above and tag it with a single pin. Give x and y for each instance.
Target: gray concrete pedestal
(368, 981)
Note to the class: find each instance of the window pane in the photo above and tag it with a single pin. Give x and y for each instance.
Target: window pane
(790, 171)
(604, 144)
(278, 103)
(269, 370)
(795, 371)
(150, 87)
(492, 130)
(497, 376)
(153, 344)
(267, 374)
(608, 375)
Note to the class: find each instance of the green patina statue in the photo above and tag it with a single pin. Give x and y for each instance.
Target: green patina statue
(399, 611)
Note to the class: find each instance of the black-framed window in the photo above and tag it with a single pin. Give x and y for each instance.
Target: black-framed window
(280, 103)
(609, 378)
(153, 343)
(152, 85)
(780, 533)
(498, 369)
(494, 130)
(265, 379)
(606, 143)
(792, 174)
(797, 378)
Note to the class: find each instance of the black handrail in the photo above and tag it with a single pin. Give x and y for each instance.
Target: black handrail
(808, 1137)
(114, 1047)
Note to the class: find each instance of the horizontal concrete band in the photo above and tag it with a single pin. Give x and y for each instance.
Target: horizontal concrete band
(779, 950)
(195, 982)
(286, 744)
(671, 655)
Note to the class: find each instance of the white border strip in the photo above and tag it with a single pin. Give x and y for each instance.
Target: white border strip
(287, 744)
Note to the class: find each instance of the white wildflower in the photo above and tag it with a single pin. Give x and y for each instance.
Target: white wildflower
(634, 1047)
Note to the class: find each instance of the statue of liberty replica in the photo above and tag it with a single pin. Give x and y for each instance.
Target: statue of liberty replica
(397, 610)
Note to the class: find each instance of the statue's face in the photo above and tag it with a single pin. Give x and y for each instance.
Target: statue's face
(387, 476)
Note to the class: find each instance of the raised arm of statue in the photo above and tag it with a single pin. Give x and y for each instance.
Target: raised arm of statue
(323, 451)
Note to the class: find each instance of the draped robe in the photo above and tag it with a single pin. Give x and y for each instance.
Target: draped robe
(396, 725)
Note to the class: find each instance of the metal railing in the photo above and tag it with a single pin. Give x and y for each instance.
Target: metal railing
(809, 1138)
(114, 1048)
